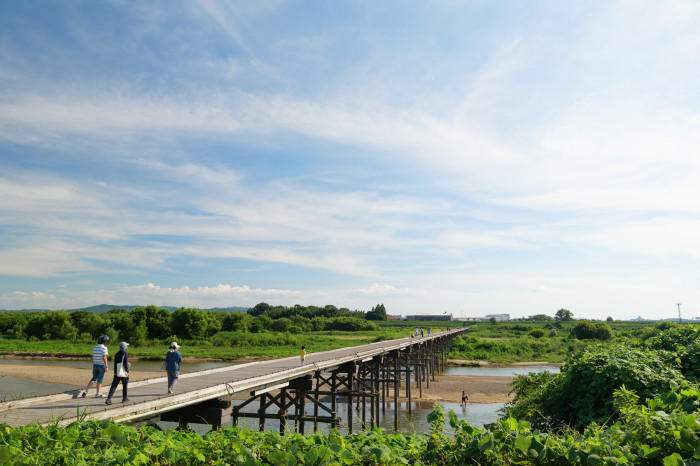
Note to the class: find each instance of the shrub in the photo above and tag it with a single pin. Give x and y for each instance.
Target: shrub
(582, 392)
(587, 330)
(537, 333)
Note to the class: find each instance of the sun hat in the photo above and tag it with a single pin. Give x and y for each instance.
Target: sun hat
(123, 345)
(174, 345)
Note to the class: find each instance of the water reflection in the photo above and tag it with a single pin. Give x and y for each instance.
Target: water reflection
(416, 422)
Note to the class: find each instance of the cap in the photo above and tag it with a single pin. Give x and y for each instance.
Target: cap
(174, 345)
(123, 345)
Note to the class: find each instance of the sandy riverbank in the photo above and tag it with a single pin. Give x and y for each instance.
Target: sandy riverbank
(480, 389)
(475, 363)
(66, 375)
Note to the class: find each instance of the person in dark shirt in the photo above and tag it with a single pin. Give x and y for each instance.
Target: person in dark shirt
(121, 373)
(172, 365)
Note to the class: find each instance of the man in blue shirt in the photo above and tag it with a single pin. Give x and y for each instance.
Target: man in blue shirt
(172, 365)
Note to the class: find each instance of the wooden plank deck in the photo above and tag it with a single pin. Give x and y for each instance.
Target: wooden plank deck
(149, 397)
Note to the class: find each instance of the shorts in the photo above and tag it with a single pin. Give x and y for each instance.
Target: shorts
(98, 373)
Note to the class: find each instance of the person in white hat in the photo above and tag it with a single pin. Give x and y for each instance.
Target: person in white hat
(172, 365)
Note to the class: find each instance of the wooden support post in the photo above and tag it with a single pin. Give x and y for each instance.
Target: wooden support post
(408, 382)
(302, 409)
(420, 376)
(385, 387)
(397, 383)
(261, 412)
(316, 403)
(349, 384)
(361, 385)
(283, 411)
(376, 391)
(373, 395)
(334, 394)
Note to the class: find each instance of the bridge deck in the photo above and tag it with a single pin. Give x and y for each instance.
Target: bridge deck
(149, 397)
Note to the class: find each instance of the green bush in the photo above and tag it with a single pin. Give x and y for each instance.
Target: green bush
(684, 342)
(582, 392)
(586, 330)
(537, 333)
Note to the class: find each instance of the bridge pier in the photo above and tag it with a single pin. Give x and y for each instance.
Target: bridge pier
(357, 382)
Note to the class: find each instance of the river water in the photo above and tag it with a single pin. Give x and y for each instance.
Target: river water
(476, 414)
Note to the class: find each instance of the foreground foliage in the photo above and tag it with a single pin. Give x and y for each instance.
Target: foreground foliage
(663, 431)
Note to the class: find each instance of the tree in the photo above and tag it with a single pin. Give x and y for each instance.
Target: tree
(378, 312)
(609, 319)
(236, 321)
(564, 314)
(189, 323)
(258, 309)
(157, 320)
(540, 318)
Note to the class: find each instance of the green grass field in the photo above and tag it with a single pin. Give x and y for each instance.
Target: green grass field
(501, 342)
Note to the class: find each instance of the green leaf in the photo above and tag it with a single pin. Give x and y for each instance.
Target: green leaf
(347, 457)
(510, 424)
(673, 460)
(522, 443)
(454, 422)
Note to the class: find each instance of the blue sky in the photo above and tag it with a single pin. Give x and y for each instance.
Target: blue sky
(464, 157)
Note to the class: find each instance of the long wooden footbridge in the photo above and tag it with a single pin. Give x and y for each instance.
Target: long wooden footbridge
(368, 375)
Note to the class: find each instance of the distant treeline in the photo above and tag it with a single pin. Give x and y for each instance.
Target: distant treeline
(157, 323)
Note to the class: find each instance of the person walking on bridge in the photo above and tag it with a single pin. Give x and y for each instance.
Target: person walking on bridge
(172, 365)
(302, 354)
(99, 366)
(121, 373)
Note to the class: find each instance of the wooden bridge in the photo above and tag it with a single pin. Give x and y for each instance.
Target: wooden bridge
(367, 375)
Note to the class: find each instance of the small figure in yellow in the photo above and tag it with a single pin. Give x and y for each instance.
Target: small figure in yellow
(302, 355)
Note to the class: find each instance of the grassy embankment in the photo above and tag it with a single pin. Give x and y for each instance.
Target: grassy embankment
(500, 342)
(507, 342)
(224, 345)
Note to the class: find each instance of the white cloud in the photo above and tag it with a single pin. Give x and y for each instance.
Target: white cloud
(205, 292)
(377, 289)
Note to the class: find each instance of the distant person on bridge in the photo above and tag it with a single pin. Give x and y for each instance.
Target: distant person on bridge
(172, 365)
(99, 366)
(302, 355)
(121, 373)
(421, 332)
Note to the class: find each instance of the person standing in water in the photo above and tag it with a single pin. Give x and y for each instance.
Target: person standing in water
(302, 355)
(463, 404)
(172, 365)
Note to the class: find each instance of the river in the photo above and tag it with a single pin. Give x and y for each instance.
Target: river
(476, 414)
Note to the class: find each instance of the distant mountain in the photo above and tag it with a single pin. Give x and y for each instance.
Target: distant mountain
(102, 308)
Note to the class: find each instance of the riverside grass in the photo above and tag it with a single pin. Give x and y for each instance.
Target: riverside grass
(500, 342)
(223, 345)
